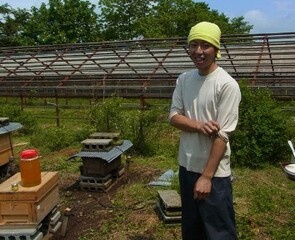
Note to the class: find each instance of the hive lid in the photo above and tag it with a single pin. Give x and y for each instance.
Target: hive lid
(10, 127)
(108, 156)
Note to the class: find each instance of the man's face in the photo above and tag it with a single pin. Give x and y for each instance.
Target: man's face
(203, 55)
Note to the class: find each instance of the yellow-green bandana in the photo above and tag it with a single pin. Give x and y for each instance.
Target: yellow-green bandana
(208, 32)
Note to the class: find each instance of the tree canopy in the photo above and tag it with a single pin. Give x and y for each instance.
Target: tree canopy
(74, 21)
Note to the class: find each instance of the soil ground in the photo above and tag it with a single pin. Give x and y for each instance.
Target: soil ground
(91, 211)
(88, 209)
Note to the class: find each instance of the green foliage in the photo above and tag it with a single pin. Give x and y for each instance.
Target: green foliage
(16, 115)
(141, 127)
(12, 24)
(58, 22)
(168, 18)
(53, 139)
(238, 25)
(121, 19)
(262, 132)
(107, 116)
(61, 164)
(172, 18)
(145, 129)
(76, 21)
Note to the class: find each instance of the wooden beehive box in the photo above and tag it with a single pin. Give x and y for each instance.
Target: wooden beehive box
(96, 167)
(28, 206)
(5, 149)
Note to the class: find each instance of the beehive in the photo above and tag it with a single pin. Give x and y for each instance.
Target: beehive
(169, 206)
(6, 148)
(96, 167)
(27, 206)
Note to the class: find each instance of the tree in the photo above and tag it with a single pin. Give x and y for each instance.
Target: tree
(74, 21)
(169, 18)
(11, 25)
(123, 19)
(238, 25)
(63, 21)
(120, 19)
(58, 22)
(174, 18)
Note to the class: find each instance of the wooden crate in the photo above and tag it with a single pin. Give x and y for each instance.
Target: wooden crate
(30, 205)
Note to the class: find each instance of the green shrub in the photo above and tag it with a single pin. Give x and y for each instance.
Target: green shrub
(53, 139)
(145, 128)
(16, 115)
(262, 132)
(141, 127)
(106, 116)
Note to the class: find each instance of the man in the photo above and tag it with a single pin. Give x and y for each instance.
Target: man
(205, 106)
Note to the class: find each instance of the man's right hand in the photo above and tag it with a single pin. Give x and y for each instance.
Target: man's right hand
(209, 128)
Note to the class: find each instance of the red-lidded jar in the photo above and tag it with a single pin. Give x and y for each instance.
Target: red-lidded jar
(30, 168)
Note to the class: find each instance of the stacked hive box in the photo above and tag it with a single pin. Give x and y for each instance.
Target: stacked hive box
(6, 148)
(101, 157)
(28, 212)
(5, 143)
(94, 167)
(169, 206)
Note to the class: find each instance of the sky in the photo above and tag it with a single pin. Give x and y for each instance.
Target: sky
(266, 16)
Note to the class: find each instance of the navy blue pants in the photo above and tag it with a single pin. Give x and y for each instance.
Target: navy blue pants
(212, 218)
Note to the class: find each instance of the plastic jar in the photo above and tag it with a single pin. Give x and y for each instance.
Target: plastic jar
(30, 168)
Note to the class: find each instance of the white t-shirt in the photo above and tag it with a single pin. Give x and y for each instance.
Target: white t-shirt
(212, 97)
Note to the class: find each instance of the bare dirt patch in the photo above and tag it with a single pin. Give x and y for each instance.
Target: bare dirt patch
(89, 209)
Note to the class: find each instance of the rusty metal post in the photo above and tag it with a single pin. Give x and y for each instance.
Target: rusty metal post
(21, 102)
(57, 109)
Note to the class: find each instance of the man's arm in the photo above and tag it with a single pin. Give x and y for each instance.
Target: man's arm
(183, 123)
(203, 185)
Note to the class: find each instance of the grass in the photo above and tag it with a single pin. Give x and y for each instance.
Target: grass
(264, 199)
(264, 202)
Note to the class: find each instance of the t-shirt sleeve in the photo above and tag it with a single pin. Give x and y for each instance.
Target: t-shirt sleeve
(177, 102)
(228, 109)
